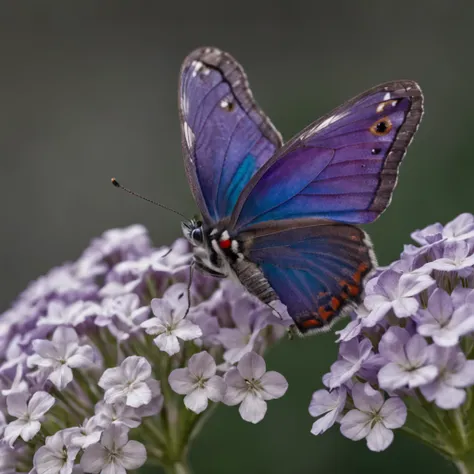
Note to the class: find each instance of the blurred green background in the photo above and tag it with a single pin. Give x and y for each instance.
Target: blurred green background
(88, 91)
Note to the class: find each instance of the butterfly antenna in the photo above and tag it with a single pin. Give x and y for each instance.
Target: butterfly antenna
(129, 191)
(191, 271)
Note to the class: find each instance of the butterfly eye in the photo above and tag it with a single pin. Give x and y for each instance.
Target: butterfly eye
(227, 105)
(381, 127)
(196, 235)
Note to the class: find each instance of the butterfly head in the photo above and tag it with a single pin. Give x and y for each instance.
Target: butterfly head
(193, 232)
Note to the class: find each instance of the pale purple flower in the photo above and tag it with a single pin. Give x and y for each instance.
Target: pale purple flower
(352, 330)
(395, 291)
(122, 315)
(169, 325)
(455, 373)
(114, 454)
(408, 360)
(250, 385)
(57, 456)
(74, 314)
(18, 384)
(29, 415)
(442, 322)
(353, 354)
(60, 355)
(330, 404)
(198, 382)
(107, 414)
(129, 242)
(455, 257)
(242, 338)
(373, 418)
(128, 382)
(460, 228)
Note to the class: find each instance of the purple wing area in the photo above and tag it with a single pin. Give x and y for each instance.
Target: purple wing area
(316, 267)
(343, 167)
(226, 136)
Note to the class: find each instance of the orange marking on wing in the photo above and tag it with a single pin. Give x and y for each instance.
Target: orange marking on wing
(357, 277)
(310, 323)
(353, 290)
(323, 314)
(335, 303)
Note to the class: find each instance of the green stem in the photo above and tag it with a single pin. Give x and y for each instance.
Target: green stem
(465, 463)
(179, 467)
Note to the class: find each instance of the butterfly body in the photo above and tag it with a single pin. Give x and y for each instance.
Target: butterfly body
(279, 218)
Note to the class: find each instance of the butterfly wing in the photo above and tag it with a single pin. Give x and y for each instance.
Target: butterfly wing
(316, 267)
(343, 167)
(226, 137)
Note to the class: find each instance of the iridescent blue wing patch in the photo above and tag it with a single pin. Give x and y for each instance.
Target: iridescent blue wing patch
(226, 137)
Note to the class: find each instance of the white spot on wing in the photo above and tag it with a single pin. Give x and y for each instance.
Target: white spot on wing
(225, 235)
(325, 123)
(387, 96)
(189, 136)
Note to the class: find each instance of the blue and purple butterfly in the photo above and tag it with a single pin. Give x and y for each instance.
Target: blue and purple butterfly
(278, 217)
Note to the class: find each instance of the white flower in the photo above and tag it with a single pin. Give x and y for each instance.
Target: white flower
(60, 355)
(250, 385)
(128, 382)
(169, 325)
(198, 382)
(373, 418)
(57, 455)
(114, 454)
(28, 415)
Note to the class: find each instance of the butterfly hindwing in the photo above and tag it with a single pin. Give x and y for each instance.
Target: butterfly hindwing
(316, 267)
(226, 136)
(343, 167)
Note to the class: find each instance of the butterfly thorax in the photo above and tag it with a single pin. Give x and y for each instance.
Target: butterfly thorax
(214, 249)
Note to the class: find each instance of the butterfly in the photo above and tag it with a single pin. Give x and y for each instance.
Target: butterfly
(280, 218)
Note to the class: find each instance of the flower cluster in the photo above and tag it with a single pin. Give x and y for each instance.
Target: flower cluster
(405, 359)
(96, 356)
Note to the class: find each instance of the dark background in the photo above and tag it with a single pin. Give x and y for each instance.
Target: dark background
(88, 91)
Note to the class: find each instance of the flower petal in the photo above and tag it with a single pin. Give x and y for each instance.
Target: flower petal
(393, 413)
(133, 455)
(355, 425)
(379, 438)
(274, 385)
(216, 388)
(39, 404)
(252, 408)
(196, 400)
(202, 365)
(181, 382)
(251, 366)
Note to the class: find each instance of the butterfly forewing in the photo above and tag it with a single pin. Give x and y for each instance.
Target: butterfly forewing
(342, 167)
(226, 136)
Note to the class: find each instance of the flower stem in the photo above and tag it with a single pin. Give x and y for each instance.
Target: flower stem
(180, 467)
(465, 463)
